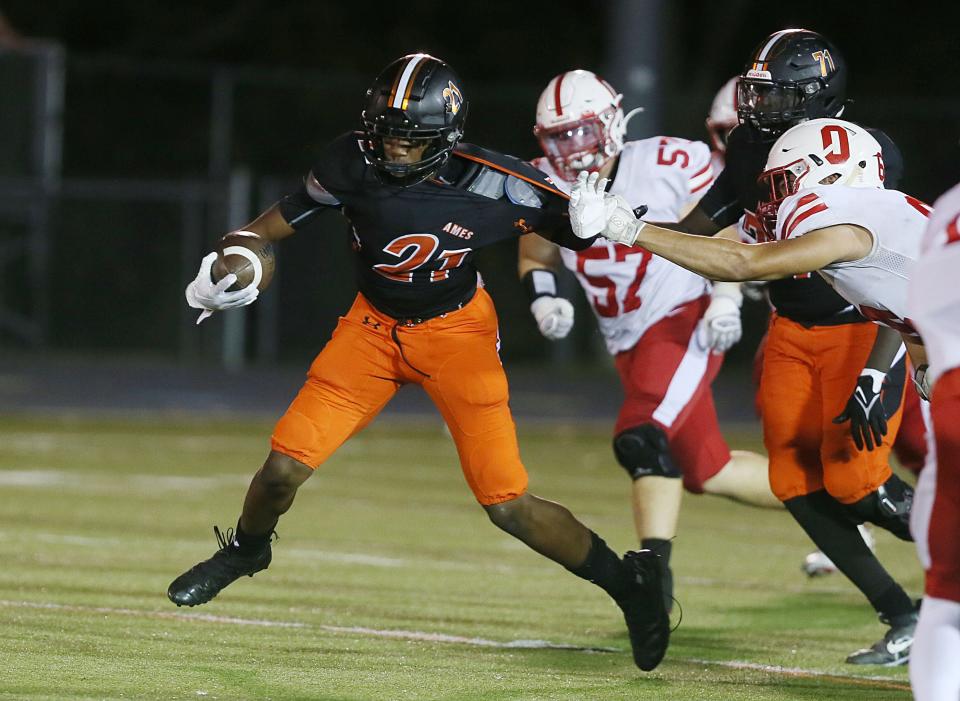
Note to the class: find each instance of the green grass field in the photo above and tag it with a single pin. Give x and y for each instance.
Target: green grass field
(388, 582)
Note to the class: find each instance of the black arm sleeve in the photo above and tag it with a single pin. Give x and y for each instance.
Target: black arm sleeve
(553, 223)
(298, 208)
(721, 204)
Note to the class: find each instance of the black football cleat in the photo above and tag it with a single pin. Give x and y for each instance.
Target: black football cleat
(204, 580)
(644, 609)
(893, 649)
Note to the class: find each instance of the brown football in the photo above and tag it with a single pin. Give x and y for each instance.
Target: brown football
(247, 256)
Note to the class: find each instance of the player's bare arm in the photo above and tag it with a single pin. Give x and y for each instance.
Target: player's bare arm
(538, 258)
(721, 259)
(537, 253)
(884, 350)
(592, 210)
(270, 225)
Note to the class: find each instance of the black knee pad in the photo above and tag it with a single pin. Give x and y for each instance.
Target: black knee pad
(644, 451)
(888, 507)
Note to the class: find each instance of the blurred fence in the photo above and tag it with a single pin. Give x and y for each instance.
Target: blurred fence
(116, 176)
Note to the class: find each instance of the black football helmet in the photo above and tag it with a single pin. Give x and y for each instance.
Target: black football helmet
(416, 98)
(794, 75)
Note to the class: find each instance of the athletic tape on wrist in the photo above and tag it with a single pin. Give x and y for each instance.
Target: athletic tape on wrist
(540, 283)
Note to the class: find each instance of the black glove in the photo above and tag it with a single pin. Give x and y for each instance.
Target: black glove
(865, 412)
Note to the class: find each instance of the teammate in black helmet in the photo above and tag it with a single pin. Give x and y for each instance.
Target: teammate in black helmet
(795, 75)
(419, 204)
(819, 352)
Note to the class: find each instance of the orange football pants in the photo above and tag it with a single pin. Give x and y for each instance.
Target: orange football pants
(808, 375)
(454, 357)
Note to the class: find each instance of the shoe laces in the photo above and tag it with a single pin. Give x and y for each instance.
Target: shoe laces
(224, 540)
(229, 537)
(675, 600)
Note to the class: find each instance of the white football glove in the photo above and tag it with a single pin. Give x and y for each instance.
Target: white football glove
(720, 327)
(203, 293)
(554, 316)
(594, 211)
(588, 215)
(622, 224)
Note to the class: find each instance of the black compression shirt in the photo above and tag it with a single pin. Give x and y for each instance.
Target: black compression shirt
(414, 245)
(806, 299)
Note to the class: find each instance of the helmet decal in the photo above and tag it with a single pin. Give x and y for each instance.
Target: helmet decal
(836, 139)
(452, 97)
(825, 59)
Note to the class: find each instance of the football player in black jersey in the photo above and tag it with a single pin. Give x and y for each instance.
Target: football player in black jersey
(818, 344)
(419, 204)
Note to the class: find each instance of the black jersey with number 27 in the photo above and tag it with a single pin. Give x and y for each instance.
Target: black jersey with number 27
(414, 245)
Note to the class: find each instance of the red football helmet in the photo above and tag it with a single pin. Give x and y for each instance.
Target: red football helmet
(723, 115)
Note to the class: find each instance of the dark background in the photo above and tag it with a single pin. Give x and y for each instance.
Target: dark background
(138, 106)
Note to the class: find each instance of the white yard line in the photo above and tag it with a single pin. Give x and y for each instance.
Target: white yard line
(445, 638)
(795, 671)
(97, 481)
(349, 558)
(207, 618)
(761, 585)
(423, 636)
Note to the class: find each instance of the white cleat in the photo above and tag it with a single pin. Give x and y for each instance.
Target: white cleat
(816, 564)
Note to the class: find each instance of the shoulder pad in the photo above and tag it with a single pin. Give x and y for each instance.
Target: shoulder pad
(509, 165)
(521, 192)
(489, 183)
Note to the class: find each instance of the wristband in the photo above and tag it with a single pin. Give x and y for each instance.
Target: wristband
(540, 282)
(731, 290)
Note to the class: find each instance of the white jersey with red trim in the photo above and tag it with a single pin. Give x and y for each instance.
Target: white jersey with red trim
(877, 283)
(934, 301)
(629, 288)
